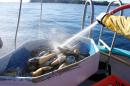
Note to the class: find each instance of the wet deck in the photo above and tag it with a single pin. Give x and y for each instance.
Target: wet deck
(117, 68)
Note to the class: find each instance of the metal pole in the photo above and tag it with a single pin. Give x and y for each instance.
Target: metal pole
(91, 17)
(40, 17)
(84, 13)
(19, 16)
(102, 27)
(114, 37)
(107, 10)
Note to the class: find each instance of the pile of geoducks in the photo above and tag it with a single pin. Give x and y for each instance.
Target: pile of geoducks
(48, 61)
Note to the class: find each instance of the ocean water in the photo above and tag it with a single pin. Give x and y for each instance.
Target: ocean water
(59, 21)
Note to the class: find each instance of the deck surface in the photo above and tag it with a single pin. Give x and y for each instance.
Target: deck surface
(118, 68)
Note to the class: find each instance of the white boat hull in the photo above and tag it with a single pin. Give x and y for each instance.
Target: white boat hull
(69, 76)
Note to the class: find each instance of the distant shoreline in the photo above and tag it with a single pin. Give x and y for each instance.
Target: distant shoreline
(105, 3)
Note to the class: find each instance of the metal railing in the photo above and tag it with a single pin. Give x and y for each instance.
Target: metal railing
(100, 41)
(18, 22)
(19, 17)
(115, 34)
(91, 15)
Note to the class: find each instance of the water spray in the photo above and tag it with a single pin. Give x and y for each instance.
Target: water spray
(78, 35)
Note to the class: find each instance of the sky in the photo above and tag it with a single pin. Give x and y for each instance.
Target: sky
(125, 1)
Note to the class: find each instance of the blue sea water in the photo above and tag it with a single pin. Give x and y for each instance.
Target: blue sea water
(58, 21)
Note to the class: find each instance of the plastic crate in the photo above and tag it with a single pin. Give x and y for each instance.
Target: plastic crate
(112, 81)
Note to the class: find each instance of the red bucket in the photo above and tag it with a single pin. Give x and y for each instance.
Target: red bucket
(112, 81)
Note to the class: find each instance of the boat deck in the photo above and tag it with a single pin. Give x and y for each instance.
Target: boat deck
(118, 67)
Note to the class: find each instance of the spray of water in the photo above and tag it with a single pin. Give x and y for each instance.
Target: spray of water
(75, 37)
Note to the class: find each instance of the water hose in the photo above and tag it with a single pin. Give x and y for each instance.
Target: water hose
(127, 6)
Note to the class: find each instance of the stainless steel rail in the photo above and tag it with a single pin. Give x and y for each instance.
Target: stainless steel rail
(19, 16)
(91, 14)
(114, 37)
(115, 34)
(41, 14)
(18, 21)
(109, 55)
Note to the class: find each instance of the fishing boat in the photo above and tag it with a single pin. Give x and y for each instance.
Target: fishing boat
(13, 68)
(74, 74)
